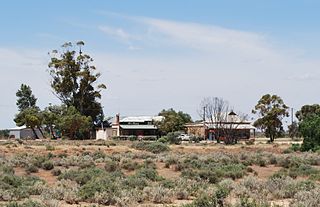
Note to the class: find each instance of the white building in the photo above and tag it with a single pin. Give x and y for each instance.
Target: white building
(140, 126)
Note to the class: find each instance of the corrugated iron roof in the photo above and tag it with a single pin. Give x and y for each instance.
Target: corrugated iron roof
(138, 127)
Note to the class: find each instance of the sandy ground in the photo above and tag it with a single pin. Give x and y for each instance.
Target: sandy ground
(76, 147)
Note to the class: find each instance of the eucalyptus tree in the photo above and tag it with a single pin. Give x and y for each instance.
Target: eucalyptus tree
(271, 109)
(75, 80)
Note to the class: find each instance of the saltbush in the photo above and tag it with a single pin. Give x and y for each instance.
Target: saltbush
(47, 165)
(154, 147)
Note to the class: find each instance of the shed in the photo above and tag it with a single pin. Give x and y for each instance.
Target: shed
(23, 133)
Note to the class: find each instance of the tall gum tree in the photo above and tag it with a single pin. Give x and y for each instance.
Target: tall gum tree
(74, 80)
(271, 109)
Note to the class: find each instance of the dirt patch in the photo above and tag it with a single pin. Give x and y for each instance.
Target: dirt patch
(19, 171)
(265, 172)
(167, 173)
(46, 175)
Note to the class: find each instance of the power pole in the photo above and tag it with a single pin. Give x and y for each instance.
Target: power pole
(291, 116)
(204, 122)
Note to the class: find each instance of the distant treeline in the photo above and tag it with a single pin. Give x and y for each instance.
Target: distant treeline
(4, 133)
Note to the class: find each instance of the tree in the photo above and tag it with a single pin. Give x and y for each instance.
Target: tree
(293, 130)
(74, 80)
(51, 116)
(217, 113)
(4, 133)
(173, 121)
(307, 111)
(310, 130)
(214, 110)
(25, 98)
(29, 114)
(271, 110)
(73, 124)
(30, 117)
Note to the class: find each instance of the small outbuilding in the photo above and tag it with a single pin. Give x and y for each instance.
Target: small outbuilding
(24, 133)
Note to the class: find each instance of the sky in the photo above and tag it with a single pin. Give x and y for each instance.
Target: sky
(156, 55)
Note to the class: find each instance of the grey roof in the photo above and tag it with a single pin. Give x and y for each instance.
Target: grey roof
(141, 118)
(138, 127)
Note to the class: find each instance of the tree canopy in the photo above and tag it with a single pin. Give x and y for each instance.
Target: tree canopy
(310, 130)
(74, 80)
(173, 121)
(26, 99)
(307, 111)
(29, 114)
(271, 109)
(73, 124)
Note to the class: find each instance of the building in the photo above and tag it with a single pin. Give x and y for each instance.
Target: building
(218, 130)
(24, 133)
(139, 126)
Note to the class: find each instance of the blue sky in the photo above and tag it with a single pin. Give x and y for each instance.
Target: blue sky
(168, 53)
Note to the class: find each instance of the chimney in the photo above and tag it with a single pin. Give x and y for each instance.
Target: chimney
(117, 119)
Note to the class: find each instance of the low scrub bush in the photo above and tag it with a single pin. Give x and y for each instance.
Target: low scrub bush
(129, 164)
(154, 147)
(47, 165)
(50, 148)
(111, 166)
(308, 198)
(31, 169)
(13, 187)
(28, 203)
(56, 172)
(148, 173)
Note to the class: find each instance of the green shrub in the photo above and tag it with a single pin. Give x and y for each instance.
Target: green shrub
(295, 147)
(38, 160)
(28, 203)
(56, 172)
(98, 155)
(148, 173)
(173, 137)
(50, 148)
(47, 165)
(82, 176)
(6, 169)
(135, 181)
(128, 164)
(111, 166)
(133, 138)
(16, 187)
(163, 140)
(154, 147)
(31, 169)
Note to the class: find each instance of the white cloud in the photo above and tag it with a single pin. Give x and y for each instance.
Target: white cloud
(180, 63)
(188, 61)
(116, 32)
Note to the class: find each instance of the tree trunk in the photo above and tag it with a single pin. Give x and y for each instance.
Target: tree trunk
(41, 132)
(51, 131)
(35, 133)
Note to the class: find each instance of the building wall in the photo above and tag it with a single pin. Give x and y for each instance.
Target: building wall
(24, 133)
(104, 134)
(198, 131)
(209, 133)
(28, 133)
(138, 132)
(14, 134)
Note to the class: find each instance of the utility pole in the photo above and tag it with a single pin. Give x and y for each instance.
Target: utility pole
(204, 122)
(291, 116)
